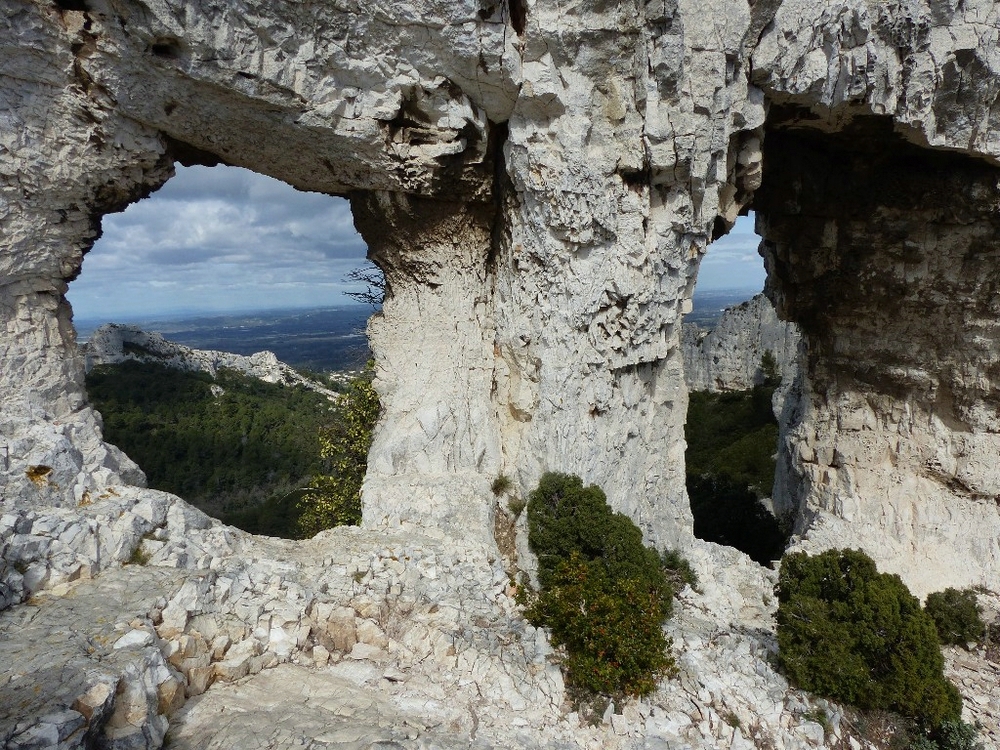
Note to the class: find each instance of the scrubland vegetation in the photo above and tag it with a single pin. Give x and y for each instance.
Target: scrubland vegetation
(731, 441)
(266, 458)
(603, 594)
(850, 633)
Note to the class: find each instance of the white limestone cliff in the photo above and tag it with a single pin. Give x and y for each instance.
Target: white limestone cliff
(539, 183)
(114, 343)
(878, 212)
(727, 357)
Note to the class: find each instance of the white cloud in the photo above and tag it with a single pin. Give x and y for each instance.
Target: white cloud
(219, 239)
(732, 262)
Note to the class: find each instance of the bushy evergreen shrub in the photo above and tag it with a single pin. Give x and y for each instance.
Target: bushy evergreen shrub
(604, 595)
(956, 615)
(848, 632)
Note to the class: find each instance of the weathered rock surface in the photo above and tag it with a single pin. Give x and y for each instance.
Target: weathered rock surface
(539, 183)
(360, 639)
(114, 343)
(883, 250)
(543, 168)
(728, 356)
(539, 192)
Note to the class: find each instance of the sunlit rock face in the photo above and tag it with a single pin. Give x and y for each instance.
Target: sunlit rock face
(728, 356)
(538, 190)
(539, 183)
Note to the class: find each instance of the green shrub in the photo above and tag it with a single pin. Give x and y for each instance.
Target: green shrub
(731, 442)
(848, 632)
(955, 734)
(956, 615)
(516, 505)
(335, 497)
(678, 570)
(139, 556)
(604, 595)
(501, 485)
(768, 371)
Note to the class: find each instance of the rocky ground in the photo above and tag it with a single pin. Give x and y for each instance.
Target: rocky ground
(137, 621)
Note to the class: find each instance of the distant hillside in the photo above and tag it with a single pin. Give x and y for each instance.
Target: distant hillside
(226, 443)
(113, 344)
(708, 307)
(326, 340)
(237, 436)
(727, 356)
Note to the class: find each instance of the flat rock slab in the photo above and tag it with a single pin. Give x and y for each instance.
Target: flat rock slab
(296, 707)
(60, 663)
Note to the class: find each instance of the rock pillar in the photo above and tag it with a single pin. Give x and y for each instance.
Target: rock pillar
(437, 448)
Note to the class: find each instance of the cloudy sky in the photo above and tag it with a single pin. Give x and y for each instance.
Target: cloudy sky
(224, 239)
(219, 239)
(732, 261)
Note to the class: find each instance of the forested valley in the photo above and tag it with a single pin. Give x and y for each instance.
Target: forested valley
(236, 447)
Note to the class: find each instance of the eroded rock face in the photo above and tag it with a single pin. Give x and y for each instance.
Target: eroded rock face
(728, 357)
(539, 183)
(894, 442)
(582, 165)
(884, 252)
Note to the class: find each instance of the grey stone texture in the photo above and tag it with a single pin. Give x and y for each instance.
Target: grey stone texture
(539, 183)
(728, 356)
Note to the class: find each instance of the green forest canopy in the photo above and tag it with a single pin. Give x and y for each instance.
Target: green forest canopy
(228, 454)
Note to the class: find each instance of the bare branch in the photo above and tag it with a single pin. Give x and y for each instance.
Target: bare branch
(374, 281)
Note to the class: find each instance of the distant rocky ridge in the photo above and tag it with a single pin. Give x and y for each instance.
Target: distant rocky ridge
(114, 343)
(727, 357)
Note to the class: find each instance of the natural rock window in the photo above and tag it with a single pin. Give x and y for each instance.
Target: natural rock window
(884, 252)
(205, 411)
(738, 363)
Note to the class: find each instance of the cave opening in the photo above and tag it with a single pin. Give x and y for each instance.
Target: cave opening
(738, 358)
(228, 263)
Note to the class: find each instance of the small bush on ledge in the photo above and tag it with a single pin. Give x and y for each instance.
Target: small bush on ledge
(850, 633)
(335, 497)
(604, 595)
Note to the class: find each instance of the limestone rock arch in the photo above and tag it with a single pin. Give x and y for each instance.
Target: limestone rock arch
(540, 182)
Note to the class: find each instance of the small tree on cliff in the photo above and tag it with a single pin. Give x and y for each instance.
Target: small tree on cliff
(373, 280)
(335, 497)
(768, 370)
